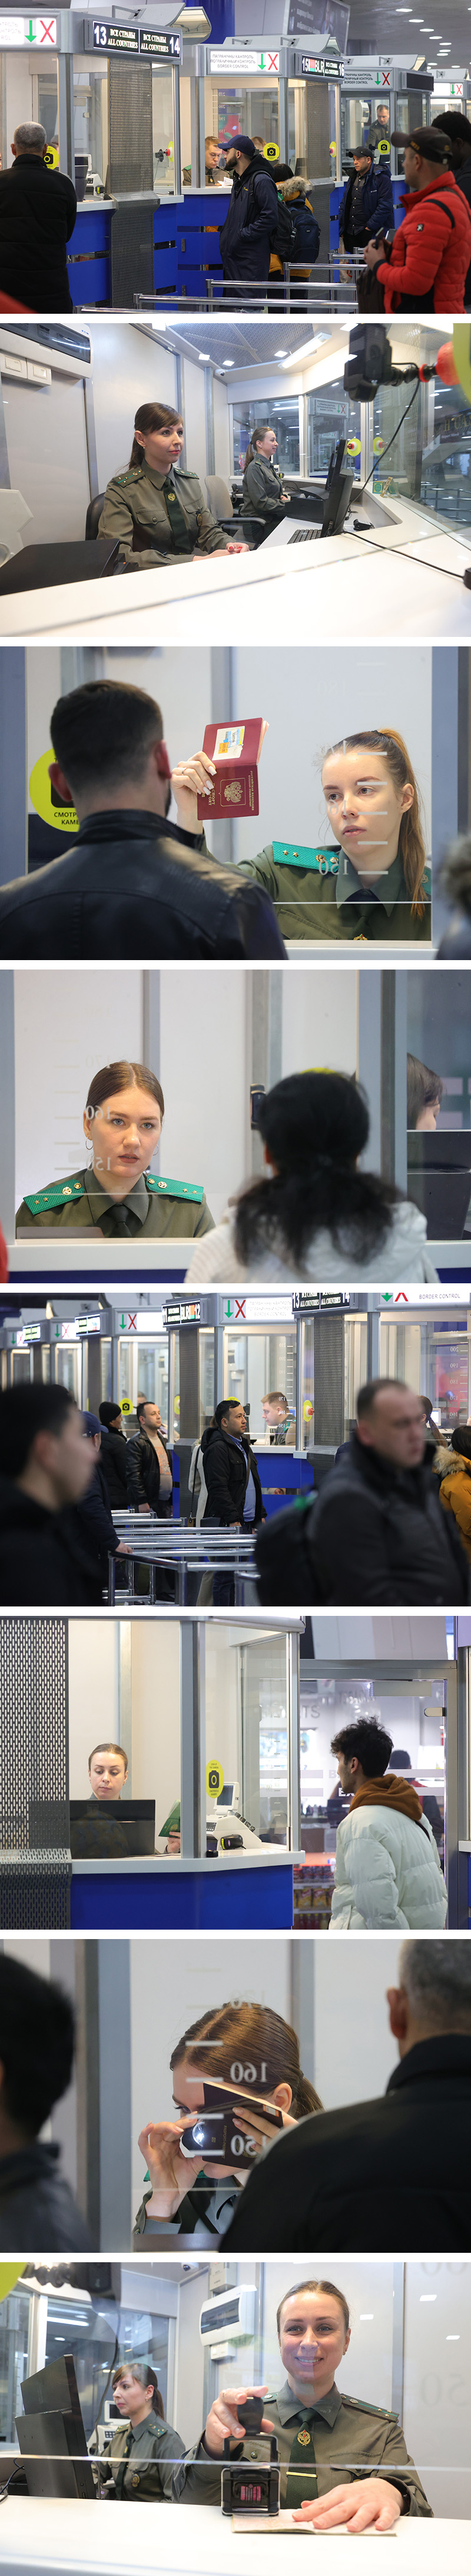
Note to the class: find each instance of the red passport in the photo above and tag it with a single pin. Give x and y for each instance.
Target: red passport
(235, 750)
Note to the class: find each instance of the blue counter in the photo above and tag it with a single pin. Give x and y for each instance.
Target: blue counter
(282, 1474)
(89, 254)
(226, 1895)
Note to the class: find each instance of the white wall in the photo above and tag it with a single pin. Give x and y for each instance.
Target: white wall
(155, 1697)
(47, 454)
(93, 1695)
(194, 413)
(366, 2370)
(66, 1026)
(127, 371)
(43, 688)
(222, 444)
(354, 2050)
(189, 2380)
(319, 1019)
(180, 680)
(171, 1984)
(206, 1076)
(311, 698)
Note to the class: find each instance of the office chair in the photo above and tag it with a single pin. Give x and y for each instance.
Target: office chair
(251, 530)
(93, 517)
(14, 514)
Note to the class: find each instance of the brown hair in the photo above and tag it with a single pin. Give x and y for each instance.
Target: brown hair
(423, 1088)
(329, 2291)
(257, 434)
(151, 415)
(142, 2370)
(108, 1748)
(250, 2033)
(411, 839)
(275, 1396)
(122, 1077)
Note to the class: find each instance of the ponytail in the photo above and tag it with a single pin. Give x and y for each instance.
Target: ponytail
(257, 434)
(250, 2035)
(151, 415)
(411, 840)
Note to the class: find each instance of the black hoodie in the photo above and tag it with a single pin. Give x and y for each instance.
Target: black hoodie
(46, 1561)
(226, 1477)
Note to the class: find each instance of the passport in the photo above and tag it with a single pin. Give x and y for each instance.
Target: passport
(235, 750)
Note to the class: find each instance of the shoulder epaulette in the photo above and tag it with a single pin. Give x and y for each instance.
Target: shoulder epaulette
(54, 1197)
(132, 475)
(362, 2406)
(174, 1189)
(325, 863)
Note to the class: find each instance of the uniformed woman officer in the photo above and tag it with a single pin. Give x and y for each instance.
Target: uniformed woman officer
(262, 488)
(251, 2046)
(342, 2460)
(145, 2452)
(117, 1193)
(155, 512)
(373, 882)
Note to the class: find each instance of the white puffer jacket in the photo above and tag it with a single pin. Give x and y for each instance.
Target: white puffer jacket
(387, 1874)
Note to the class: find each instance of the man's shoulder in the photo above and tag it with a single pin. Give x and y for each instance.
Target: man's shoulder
(33, 889)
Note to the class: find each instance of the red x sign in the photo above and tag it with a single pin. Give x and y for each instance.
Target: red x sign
(272, 62)
(239, 1308)
(132, 1323)
(48, 31)
(385, 80)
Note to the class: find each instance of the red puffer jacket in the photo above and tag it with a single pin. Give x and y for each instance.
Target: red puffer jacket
(431, 250)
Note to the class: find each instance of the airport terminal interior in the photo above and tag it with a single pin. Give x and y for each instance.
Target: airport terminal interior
(235, 1285)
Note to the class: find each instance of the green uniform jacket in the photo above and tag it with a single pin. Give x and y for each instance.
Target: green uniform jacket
(262, 488)
(145, 2476)
(345, 2439)
(153, 1207)
(135, 501)
(310, 890)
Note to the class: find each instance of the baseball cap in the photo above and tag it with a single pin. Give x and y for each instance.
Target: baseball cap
(241, 143)
(428, 140)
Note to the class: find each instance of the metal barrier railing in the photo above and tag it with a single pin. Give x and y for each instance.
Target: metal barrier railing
(180, 1549)
(331, 286)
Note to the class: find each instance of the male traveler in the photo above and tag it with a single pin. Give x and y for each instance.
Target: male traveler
(367, 206)
(387, 1870)
(132, 884)
(149, 1474)
(113, 1455)
(458, 129)
(94, 1511)
(431, 251)
(376, 1532)
(394, 2171)
(36, 2063)
(342, 2460)
(37, 215)
(232, 1480)
(46, 1559)
(252, 214)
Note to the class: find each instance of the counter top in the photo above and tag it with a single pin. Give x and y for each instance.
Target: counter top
(89, 2540)
(164, 1864)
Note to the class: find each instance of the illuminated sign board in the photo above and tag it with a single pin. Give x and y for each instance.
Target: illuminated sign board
(145, 1323)
(183, 1311)
(108, 39)
(81, 1327)
(28, 31)
(233, 65)
(306, 1301)
(27, 1333)
(322, 67)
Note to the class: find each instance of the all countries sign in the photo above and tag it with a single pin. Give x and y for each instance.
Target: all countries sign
(28, 31)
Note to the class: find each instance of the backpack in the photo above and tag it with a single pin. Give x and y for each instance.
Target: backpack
(283, 237)
(307, 241)
(285, 1566)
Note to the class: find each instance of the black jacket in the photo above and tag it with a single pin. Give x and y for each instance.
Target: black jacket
(251, 219)
(225, 1469)
(36, 2207)
(143, 1475)
(46, 1558)
(113, 1461)
(372, 1535)
(456, 940)
(37, 215)
(94, 1514)
(390, 2174)
(136, 886)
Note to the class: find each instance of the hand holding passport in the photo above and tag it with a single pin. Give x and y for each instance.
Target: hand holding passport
(234, 751)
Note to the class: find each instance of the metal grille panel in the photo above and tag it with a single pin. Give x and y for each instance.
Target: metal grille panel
(34, 1810)
(130, 127)
(329, 1333)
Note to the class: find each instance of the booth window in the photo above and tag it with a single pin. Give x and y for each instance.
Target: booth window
(282, 416)
(331, 416)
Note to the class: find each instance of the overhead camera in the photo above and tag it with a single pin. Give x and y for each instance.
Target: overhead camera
(370, 363)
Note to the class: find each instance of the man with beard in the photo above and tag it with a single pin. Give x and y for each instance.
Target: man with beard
(252, 214)
(132, 884)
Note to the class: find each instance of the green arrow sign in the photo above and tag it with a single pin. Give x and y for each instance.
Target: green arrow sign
(30, 36)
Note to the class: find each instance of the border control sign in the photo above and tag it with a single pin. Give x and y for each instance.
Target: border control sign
(45, 799)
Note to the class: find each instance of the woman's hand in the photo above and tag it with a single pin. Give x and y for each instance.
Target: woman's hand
(233, 549)
(368, 2504)
(171, 2175)
(223, 2420)
(190, 779)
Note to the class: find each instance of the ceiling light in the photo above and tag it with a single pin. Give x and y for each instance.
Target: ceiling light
(204, 358)
(229, 362)
(428, 2298)
(452, 2338)
(281, 353)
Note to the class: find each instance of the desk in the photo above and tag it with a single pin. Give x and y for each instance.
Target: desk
(240, 1891)
(313, 591)
(92, 2540)
(62, 1260)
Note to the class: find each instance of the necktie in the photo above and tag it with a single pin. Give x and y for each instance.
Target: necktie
(301, 2480)
(181, 538)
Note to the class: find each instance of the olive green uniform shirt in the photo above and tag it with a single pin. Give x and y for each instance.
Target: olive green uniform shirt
(136, 501)
(320, 2447)
(262, 488)
(153, 1207)
(312, 892)
(145, 2461)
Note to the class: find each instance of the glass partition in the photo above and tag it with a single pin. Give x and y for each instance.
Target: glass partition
(143, 1371)
(414, 1715)
(259, 1364)
(91, 120)
(133, 1687)
(369, 115)
(248, 1729)
(281, 413)
(37, 2326)
(331, 415)
(162, 131)
(68, 1357)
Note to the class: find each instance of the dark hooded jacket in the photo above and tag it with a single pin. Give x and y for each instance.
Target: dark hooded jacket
(389, 2172)
(251, 219)
(135, 885)
(375, 1534)
(38, 209)
(226, 1475)
(47, 1560)
(113, 1462)
(36, 2206)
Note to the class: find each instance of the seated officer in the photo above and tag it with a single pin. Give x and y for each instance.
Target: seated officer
(116, 1193)
(155, 516)
(93, 1836)
(342, 2460)
(374, 882)
(145, 2451)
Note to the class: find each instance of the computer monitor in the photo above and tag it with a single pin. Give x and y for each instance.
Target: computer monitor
(338, 492)
(51, 2433)
(112, 1828)
(439, 1180)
